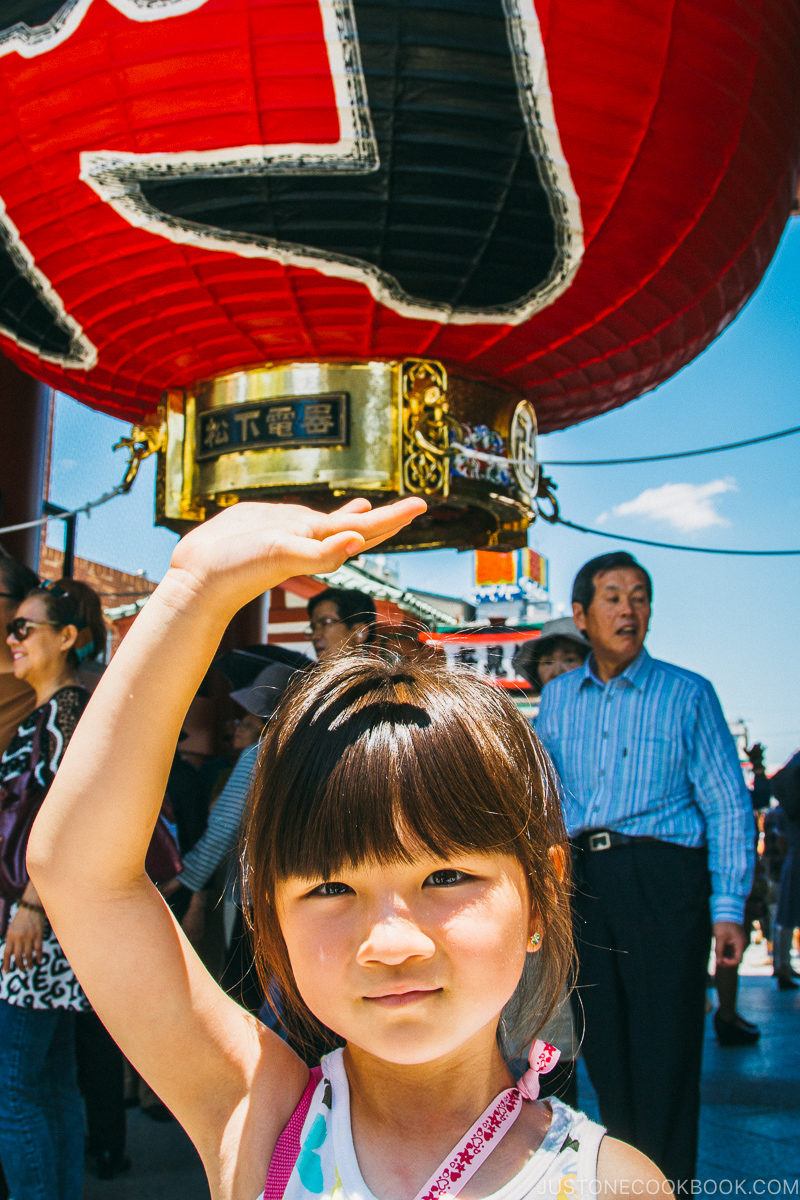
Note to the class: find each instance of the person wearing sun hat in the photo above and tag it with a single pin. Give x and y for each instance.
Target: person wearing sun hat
(560, 647)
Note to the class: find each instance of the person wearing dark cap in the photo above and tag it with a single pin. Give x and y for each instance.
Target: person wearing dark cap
(217, 844)
(341, 618)
(559, 647)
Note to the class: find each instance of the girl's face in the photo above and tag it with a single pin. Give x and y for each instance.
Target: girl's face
(409, 961)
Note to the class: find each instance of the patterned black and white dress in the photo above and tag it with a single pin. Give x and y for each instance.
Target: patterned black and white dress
(50, 983)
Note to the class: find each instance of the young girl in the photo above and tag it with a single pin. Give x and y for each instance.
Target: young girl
(405, 859)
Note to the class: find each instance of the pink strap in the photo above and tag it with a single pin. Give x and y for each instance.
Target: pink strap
(490, 1128)
(287, 1147)
(462, 1163)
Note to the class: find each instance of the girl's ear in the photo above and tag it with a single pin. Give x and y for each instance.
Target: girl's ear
(558, 857)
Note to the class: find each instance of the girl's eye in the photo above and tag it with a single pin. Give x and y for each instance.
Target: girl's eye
(331, 888)
(447, 877)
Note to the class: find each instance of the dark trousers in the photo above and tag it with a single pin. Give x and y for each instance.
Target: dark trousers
(101, 1075)
(642, 930)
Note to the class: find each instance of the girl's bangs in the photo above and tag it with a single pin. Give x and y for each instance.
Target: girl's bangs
(374, 786)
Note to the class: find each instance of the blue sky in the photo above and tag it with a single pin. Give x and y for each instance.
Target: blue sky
(734, 620)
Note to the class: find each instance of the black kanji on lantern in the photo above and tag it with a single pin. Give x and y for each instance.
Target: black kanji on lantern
(459, 211)
(445, 199)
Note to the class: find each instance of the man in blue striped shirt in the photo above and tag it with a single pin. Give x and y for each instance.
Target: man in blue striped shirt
(661, 823)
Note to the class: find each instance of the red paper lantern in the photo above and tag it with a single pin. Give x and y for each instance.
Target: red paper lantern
(570, 197)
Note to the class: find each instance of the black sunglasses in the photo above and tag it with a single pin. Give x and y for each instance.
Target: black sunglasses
(20, 627)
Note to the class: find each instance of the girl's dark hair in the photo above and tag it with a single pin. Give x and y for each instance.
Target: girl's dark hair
(368, 759)
(70, 602)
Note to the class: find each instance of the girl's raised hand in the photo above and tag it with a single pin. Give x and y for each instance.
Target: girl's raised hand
(252, 547)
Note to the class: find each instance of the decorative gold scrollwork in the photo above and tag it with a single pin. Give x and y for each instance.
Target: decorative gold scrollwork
(141, 442)
(426, 428)
(522, 445)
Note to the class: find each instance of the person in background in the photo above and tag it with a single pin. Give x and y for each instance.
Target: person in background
(786, 789)
(17, 698)
(730, 1027)
(218, 843)
(559, 647)
(341, 618)
(661, 823)
(56, 627)
(184, 806)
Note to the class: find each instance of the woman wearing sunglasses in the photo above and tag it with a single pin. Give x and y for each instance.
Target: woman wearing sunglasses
(41, 1112)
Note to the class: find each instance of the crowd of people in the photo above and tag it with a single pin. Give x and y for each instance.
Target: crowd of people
(397, 868)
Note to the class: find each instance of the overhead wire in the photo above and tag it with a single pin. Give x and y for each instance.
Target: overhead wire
(650, 458)
(620, 537)
(64, 516)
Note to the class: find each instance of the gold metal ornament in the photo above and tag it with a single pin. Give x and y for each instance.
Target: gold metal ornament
(524, 458)
(319, 433)
(141, 442)
(426, 433)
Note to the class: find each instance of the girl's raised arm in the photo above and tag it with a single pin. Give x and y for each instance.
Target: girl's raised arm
(202, 1054)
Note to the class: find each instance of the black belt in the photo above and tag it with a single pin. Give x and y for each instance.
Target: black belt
(606, 839)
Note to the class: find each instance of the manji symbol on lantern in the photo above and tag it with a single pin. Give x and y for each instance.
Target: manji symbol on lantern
(343, 243)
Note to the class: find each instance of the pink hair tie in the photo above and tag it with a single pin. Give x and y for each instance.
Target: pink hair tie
(542, 1058)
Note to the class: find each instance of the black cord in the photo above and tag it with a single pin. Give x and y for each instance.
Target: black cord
(648, 458)
(619, 537)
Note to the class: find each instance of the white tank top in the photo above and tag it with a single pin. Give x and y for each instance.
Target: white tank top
(563, 1168)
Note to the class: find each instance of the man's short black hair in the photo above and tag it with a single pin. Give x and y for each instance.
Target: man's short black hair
(583, 587)
(16, 578)
(353, 606)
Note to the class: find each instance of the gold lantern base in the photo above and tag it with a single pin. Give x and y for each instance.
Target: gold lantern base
(319, 433)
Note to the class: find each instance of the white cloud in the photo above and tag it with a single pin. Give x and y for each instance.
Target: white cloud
(684, 506)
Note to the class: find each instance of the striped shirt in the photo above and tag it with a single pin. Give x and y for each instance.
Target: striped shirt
(222, 831)
(649, 754)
